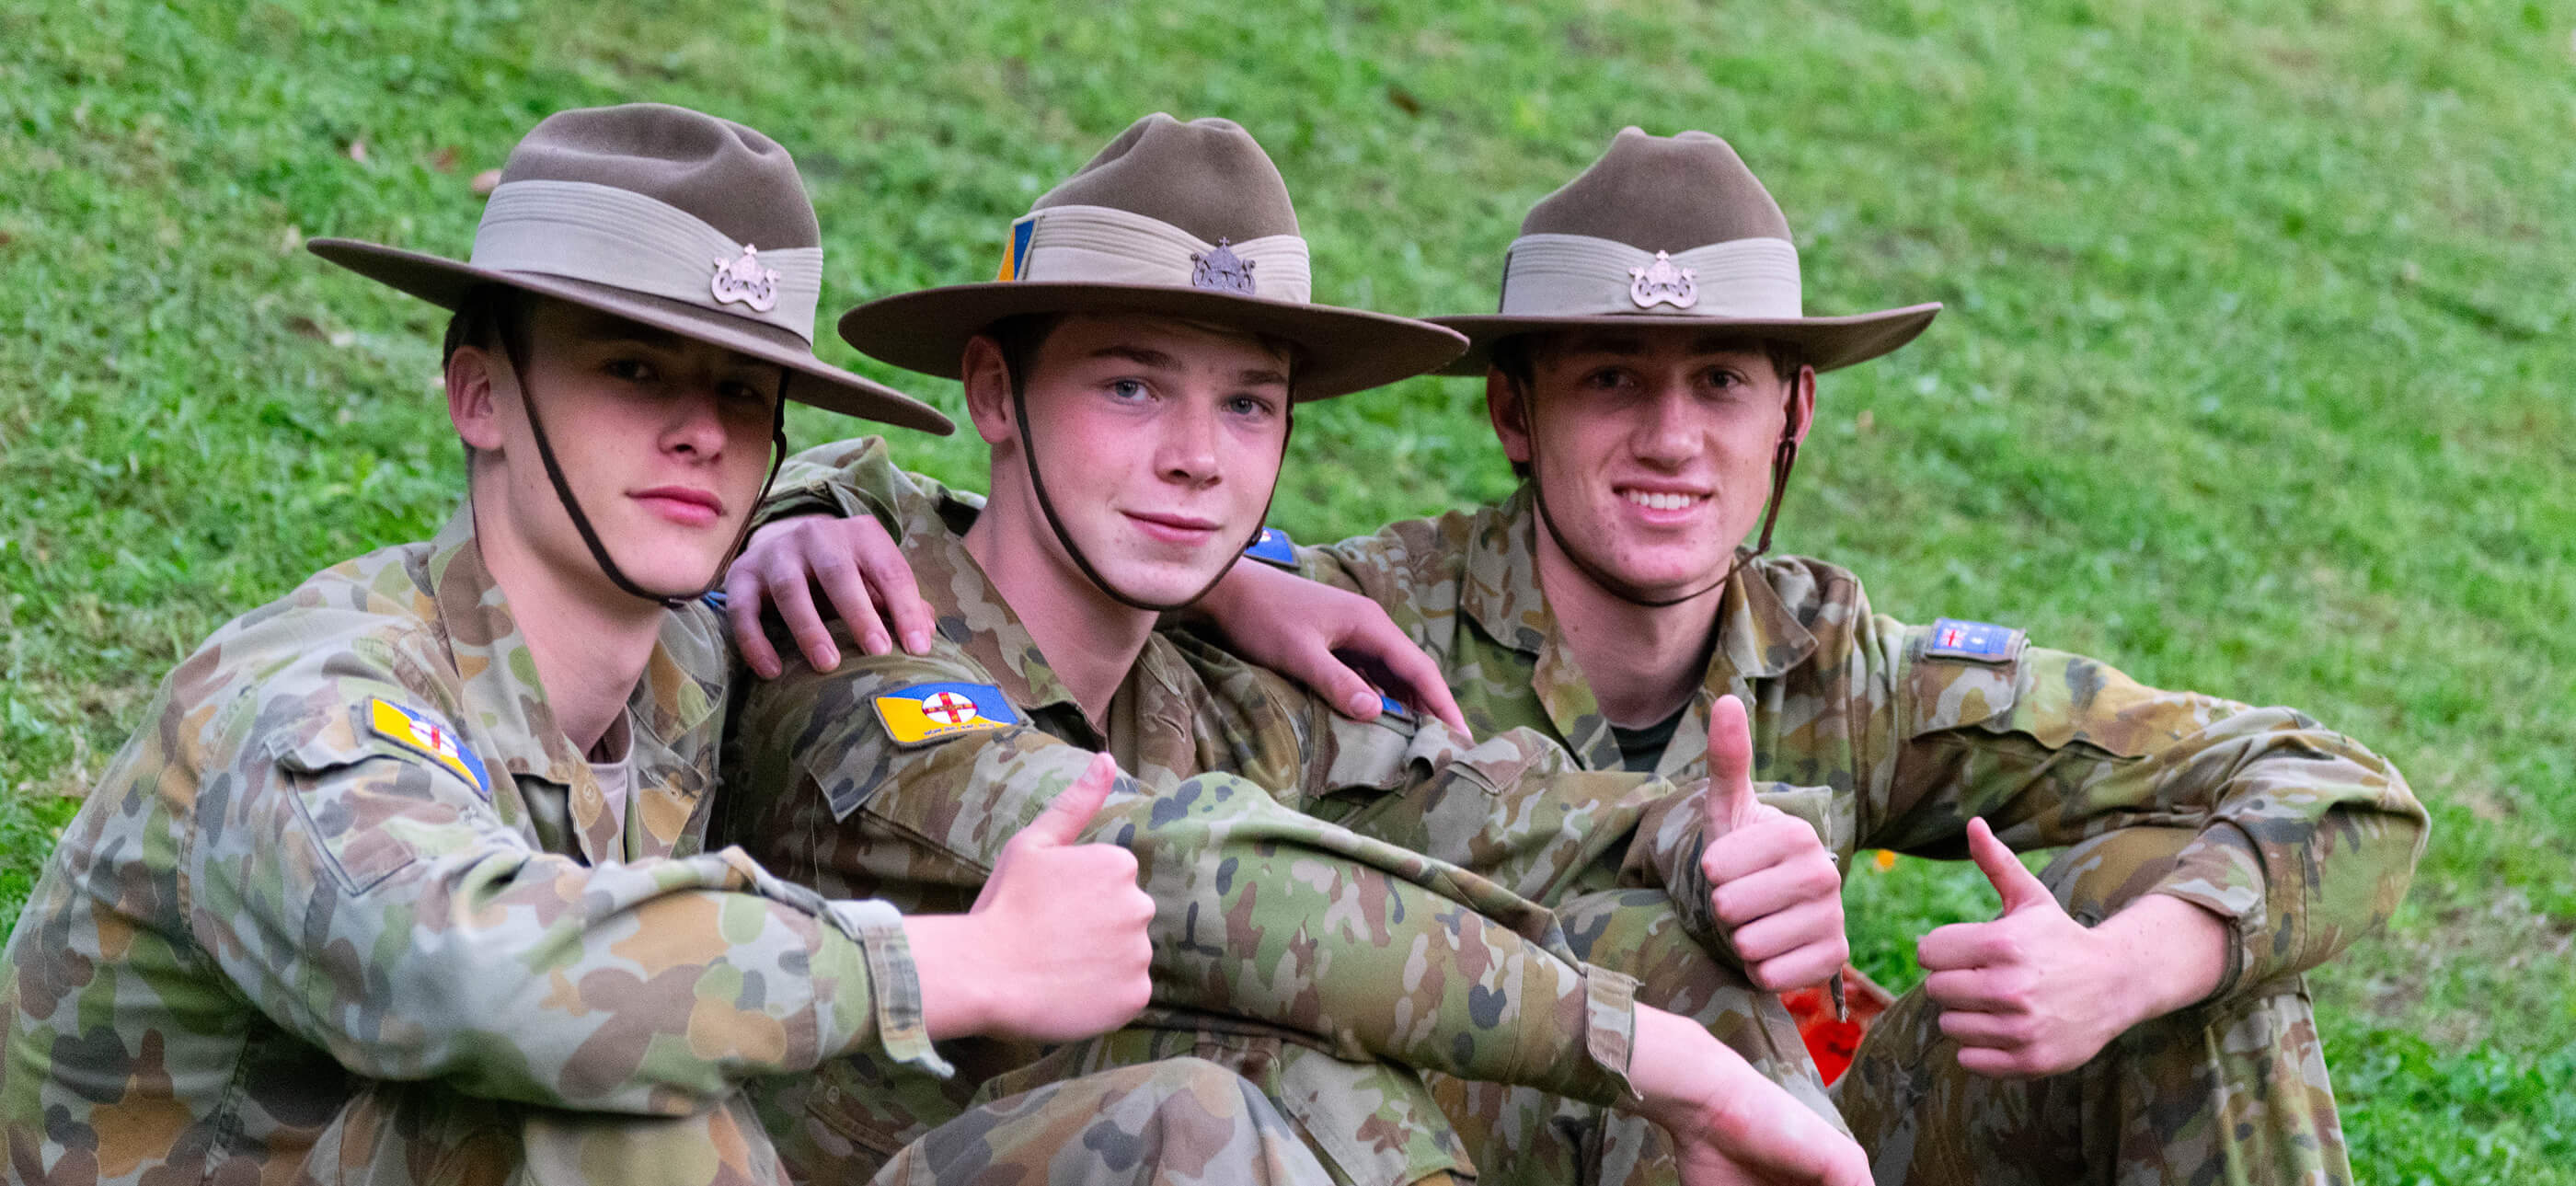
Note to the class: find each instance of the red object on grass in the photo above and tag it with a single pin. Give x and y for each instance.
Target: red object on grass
(1832, 1041)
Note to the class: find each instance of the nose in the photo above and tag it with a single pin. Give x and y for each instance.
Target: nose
(696, 428)
(1667, 430)
(1187, 449)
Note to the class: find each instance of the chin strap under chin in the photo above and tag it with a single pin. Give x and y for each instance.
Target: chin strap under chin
(1784, 457)
(581, 522)
(1037, 485)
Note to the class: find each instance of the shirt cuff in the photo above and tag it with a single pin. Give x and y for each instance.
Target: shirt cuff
(878, 928)
(1610, 1030)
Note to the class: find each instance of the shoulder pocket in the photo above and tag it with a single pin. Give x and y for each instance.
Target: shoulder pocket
(367, 799)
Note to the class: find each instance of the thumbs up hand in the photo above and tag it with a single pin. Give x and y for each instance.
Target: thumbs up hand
(1772, 884)
(1055, 948)
(2032, 993)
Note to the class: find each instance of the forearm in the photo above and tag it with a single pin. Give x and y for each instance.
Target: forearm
(2305, 840)
(1381, 952)
(2175, 953)
(520, 975)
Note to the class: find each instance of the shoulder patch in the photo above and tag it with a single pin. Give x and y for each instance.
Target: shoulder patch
(1976, 642)
(431, 738)
(1273, 547)
(929, 712)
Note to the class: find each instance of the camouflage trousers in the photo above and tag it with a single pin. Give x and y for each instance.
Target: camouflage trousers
(2232, 1091)
(1175, 1123)
(1519, 1135)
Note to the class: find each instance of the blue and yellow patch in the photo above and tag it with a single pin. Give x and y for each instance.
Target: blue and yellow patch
(1273, 547)
(930, 712)
(431, 738)
(1016, 260)
(1976, 642)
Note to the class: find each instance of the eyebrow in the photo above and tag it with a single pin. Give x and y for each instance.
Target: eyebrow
(1140, 355)
(1146, 356)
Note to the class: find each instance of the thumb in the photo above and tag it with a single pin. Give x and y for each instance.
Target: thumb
(1730, 766)
(1071, 812)
(2017, 885)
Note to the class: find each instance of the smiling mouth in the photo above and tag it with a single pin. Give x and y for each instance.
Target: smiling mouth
(1660, 501)
(1173, 528)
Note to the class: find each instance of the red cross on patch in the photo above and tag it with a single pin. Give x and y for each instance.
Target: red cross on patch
(948, 708)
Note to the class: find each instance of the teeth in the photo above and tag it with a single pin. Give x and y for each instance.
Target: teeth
(1661, 502)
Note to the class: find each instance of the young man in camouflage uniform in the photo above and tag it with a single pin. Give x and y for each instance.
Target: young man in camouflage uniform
(1652, 375)
(1133, 370)
(403, 880)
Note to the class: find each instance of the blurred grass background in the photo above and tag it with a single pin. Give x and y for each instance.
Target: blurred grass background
(2252, 380)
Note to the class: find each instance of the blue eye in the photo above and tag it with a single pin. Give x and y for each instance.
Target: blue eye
(1127, 389)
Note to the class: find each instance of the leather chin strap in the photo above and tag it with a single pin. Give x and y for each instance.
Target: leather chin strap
(1037, 485)
(581, 522)
(1784, 457)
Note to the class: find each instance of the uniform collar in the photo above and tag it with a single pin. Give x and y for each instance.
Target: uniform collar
(1757, 637)
(682, 686)
(933, 521)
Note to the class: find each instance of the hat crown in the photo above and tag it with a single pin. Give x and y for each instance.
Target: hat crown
(724, 174)
(1208, 177)
(1662, 193)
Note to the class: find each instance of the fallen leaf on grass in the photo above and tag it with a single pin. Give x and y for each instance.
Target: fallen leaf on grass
(292, 239)
(444, 160)
(304, 326)
(1404, 100)
(487, 181)
(357, 151)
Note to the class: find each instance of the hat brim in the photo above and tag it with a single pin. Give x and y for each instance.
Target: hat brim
(1344, 350)
(445, 282)
(1828, 342)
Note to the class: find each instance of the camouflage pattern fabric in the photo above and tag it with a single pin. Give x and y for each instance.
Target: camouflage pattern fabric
(279, 898)
(1176, 1123)
(1265, 951)
(2299, 837)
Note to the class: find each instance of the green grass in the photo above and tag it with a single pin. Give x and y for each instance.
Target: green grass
(2251, 378)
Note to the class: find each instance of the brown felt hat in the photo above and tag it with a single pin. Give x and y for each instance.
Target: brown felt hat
(680, 221)
(1186, 220)
(1669, 231)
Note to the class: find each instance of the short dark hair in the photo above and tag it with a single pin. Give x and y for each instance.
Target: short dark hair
(486, 316)
(1516, 358)
(1020, 338)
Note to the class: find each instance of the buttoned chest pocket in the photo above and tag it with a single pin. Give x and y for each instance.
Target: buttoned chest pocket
(373, 807)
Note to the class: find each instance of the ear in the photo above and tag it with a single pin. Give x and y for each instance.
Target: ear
(1802, 405)
(472, 405)
(1508, 407)
(988, 391)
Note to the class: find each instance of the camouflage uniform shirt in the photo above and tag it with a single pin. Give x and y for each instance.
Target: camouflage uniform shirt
(2305, 839)
(350, 843)
(1277, 934)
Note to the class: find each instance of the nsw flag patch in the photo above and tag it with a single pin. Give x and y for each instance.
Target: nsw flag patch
(1274, 547)
(1977, 642)
(429, 737)
(930, 712)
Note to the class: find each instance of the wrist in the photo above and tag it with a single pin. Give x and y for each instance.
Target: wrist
(1677, 1069)
(949, 957)
(2172, 951)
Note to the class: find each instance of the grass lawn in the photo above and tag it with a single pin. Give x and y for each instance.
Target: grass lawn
(2244, 381)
